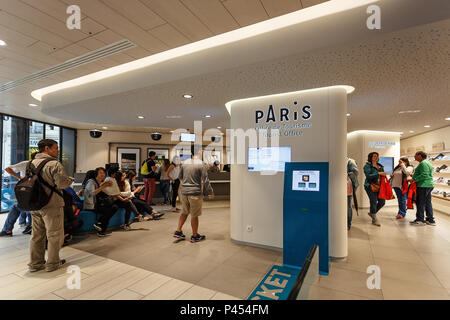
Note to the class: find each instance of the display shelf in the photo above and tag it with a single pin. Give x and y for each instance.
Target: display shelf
(428, 153)
(441, 184)
(440, 197)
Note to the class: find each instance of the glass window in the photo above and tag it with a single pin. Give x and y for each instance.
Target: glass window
(52, 132)
(14, 150)
(36, 135)
(68, 150)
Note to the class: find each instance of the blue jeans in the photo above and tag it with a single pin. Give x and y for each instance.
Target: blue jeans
(24, 217)
(375, 203)
(349, 211)
(164, 185)
(401, 197)
(12, 217)
(423, 203)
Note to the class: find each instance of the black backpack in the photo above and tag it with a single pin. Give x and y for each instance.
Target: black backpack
(30, 192)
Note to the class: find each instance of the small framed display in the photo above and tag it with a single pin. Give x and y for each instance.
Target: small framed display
(129, 159)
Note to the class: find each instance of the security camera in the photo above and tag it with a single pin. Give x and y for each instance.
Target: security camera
(95, 133)
(156, 136)
(216, 138)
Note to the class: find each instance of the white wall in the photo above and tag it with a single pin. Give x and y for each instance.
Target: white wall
(257, 200)
(427, 140)
(360, 144)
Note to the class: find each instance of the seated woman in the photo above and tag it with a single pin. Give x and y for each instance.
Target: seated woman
(128, 190)
(113, 192)
(95, 199)
(89, 175)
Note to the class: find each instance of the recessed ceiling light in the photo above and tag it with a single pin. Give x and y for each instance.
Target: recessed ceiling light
(219, 127)
(447, 119)
(141, 117)
(2, 43)
(349, 114)
(188, 96)
(427, 126)
(410, 131)
(208, 116)
(33, 105)
(104, 128)
(410, 111)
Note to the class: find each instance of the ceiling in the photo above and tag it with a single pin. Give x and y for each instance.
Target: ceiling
(404, 67)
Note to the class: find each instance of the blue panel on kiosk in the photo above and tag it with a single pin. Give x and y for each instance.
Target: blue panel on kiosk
(305, 213)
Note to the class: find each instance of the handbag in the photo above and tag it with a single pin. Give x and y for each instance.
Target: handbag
(375, 186)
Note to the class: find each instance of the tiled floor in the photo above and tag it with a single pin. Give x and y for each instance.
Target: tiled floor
(145, 263)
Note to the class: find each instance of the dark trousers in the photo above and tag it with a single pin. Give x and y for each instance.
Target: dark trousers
(423, 203)
(349, 211)
(129, 207)
(106, 213)
(375, 203)
(142, 206)
(175, 187)
(164, 185)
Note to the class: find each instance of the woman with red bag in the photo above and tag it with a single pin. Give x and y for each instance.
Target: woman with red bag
(399, 177)
(374, 171)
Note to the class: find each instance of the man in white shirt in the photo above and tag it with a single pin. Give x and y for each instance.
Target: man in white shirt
(18, 171)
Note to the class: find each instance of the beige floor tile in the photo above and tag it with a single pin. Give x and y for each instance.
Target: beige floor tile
(318, 293)
(9, 279)
(197, 293)
(234, 281)
(407, 272)
(126, 294)
(155, 261)
(223, 296)
(100, 266)
(95, 281)
(348, 281)
(149, 284)
(253, 259)
(50, 296)
(114, 285)
(396, 254)
(411, 290)
(169, 291)
(189, 269)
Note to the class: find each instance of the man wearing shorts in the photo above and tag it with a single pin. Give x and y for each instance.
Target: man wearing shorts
(194, 183)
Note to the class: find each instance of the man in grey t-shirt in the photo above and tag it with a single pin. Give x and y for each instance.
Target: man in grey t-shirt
(194, 183)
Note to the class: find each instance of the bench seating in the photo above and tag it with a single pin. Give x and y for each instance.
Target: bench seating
(89, 218)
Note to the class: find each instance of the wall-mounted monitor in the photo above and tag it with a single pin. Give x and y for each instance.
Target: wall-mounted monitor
(185, 157)
(187, 137)
(268, 158)
(388, 164)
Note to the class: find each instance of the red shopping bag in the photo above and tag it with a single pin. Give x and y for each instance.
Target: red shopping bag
(405, 186)
(386, 192)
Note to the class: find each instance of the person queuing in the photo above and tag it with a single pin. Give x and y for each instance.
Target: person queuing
(128, 190)
(49, 221)
(194, 182)
(18, 171)
(352, 185)
(423, 177)
(402, 172)
(94, 199)
(373, 170)
(215, 168)
(150, 177)
(164, 181)
(173, 172)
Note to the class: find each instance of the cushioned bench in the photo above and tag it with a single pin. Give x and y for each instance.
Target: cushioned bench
(89, 218)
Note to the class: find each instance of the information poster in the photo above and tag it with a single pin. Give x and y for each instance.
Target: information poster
(305, 180)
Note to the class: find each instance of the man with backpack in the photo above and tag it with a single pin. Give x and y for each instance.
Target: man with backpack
(148, 171)
(48, 220)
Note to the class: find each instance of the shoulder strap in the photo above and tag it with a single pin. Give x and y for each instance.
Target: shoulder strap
(45, 183)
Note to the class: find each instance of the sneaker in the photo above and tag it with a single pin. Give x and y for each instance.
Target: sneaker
(101, 234)
(371, 216)
(430, 222)
(97, 227)
(5, 234)
(175, 209)
(61, 262)
(36, 269)
(197, 238)
(376, 223)
(417, 223)
(27, 230)
(179, 235)
(126, 227)
(399, 216)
